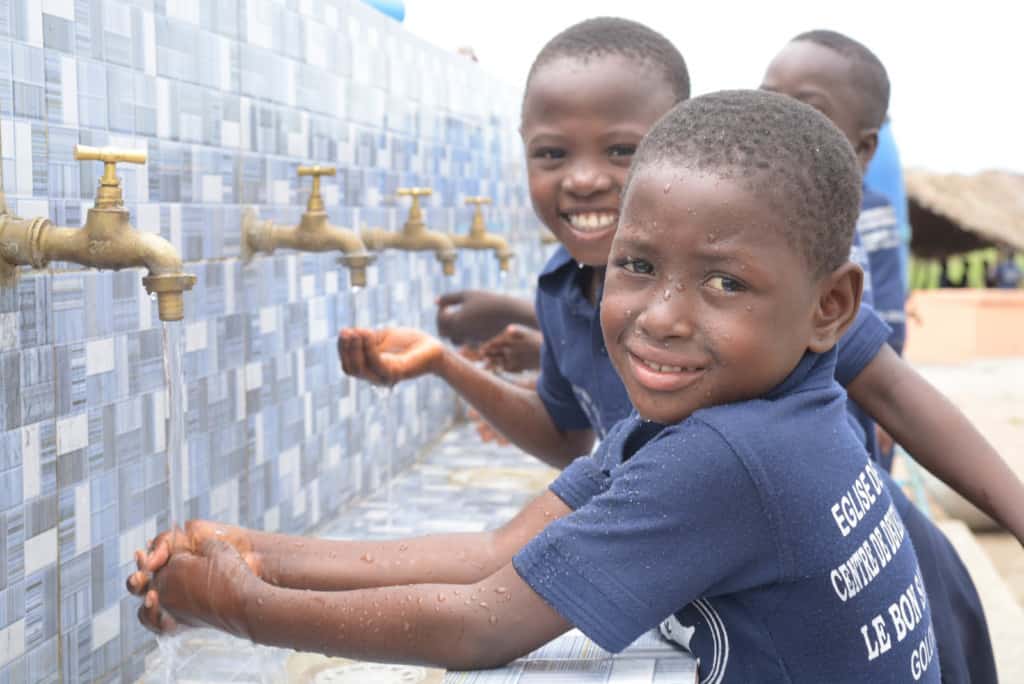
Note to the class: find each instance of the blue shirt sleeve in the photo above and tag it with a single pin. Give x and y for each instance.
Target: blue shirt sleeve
(860, 344)
(880, 237)
(555, 391)
(639, 550)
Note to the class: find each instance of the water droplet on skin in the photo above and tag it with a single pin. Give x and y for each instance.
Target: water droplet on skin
(680, 287)
(468, 602)
(403, 547)
(366, 557)
(668, 188)
(493, 619)
(408, 597)
(441, 598)
(712, 237)
(259, 601)
(579, 266)
(749, 307)
(667, 296)
(483, 604)
(406, 627)
(501, 590)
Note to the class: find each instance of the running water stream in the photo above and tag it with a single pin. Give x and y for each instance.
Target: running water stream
(174, 380)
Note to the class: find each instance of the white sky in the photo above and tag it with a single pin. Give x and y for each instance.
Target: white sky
(956, 68)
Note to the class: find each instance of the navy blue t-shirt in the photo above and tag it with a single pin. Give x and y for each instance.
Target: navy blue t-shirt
(578, 383)
(879, 233)
(761, 525)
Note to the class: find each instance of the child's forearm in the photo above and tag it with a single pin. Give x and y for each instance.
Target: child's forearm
(516, 412)
(334, 565)
(484, 624)
(938, 435)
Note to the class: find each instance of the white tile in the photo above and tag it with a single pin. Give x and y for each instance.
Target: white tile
(213, 188)
(40, 551)
(229, 287)
(33, 22)
(224, 59)
(307, 413)
(272, 519)
(317, 317)
(331, 282)
(254, 375)
(8, 331)
(69, 86)
(72, 433)
(83, 518)
(163, 108)
(268, 319)
(149, 44)
(12, 641)
(106, 625)
(331, 194)
(147, 217)
(129, 542)
(230, 134)
(280, 192)
(257, 430)
(99, 356)
(174, 224)
(300, 365)
(308, 286)
(31, 208)
(30, 470)
(195, 336)
(185, 10)
(293, 278)
(239, 396)
(65, 9)
(288, 462)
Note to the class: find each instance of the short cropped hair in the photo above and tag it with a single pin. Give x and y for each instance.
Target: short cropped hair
(870, 77)
(787, 153)
(603, 36)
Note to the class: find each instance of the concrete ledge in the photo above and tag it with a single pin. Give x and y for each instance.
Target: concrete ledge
(1005, 616)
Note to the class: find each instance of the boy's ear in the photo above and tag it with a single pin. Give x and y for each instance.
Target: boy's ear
(866, 147)
(837, 306)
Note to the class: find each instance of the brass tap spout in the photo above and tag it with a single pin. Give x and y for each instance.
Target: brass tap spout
(479, 238)
(313, 233)
(107, 240)
(415, 235)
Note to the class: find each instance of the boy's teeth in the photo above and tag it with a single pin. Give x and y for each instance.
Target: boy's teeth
(666, 369)
(592, 220)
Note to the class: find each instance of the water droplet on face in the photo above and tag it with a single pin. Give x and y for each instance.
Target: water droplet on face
(493, 619)
(501, 590)
(712, 237)
(668, 188)
(483, 604)
(667, 295)
(749, 307)
(680, 287)
(366, 557)
(403, 547)
(441, 598)
(406, 627)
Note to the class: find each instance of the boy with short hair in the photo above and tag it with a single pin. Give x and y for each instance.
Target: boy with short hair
(727, 290)
(846, 82)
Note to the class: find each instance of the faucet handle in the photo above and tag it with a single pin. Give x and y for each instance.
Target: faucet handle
(477, 201)
(316, 170)
(414, 192)
(109, 193)
(478, 227)
(110, 155)
(315, 203)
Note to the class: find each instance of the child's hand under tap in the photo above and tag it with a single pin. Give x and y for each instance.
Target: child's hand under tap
(191, 539)
(515, 349)
(388, 355)
(204, 587)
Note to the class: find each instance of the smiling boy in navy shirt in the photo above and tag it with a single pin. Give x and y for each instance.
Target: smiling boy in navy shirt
(737, 499)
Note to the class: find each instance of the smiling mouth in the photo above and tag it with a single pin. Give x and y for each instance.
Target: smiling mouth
(662, 377)
(591, 221)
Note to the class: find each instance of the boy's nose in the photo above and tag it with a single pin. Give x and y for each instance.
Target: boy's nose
(586, 180)
(667, 315)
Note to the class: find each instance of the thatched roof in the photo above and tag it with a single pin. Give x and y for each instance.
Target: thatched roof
(952, 214)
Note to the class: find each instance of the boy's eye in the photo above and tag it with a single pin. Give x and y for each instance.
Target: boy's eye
(621, 150)
(724, 283)
(548, 153)
(641, 266)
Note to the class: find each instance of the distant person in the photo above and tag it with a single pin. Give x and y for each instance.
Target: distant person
(1006, 273)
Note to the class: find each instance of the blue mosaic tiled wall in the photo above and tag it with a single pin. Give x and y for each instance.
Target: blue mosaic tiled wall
(227, 97)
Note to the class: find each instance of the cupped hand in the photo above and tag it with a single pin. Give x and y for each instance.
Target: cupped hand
(515, 349)
(388, 355)
(207, 587)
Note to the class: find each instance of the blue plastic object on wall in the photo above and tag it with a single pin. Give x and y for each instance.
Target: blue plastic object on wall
(393, 8)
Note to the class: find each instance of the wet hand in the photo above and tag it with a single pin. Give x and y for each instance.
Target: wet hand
(515, 349)
(388, 355)
(205, 588)
(188, 540)
(471, 316)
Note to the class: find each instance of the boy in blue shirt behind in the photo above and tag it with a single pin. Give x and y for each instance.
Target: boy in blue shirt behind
(737, 500)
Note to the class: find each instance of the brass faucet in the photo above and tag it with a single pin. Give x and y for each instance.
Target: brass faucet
(107, 240)
(415, 235)
(479, 238)
(313, 234)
